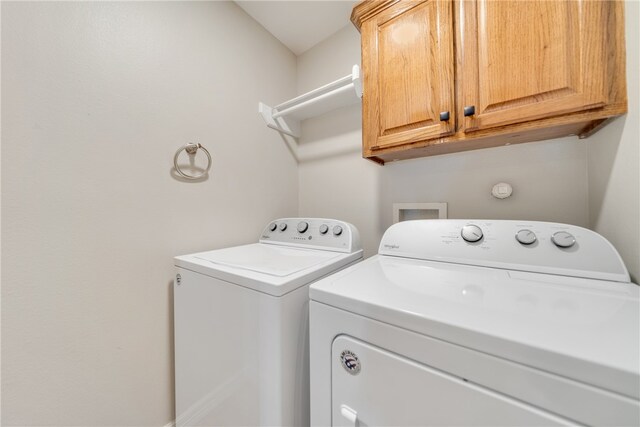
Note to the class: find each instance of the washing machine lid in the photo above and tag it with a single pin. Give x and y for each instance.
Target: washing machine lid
(584, 329)
(269, 268)
(272, 260)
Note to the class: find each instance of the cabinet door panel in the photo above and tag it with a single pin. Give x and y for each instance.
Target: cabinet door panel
(527, 60)
(407, 59)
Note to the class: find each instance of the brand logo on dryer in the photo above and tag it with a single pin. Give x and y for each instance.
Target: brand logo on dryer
(350, 362)
(392, 246)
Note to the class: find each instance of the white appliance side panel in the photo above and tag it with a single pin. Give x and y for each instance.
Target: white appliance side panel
(216, 352)
(390, 390)
(284, 359)
(241, 356)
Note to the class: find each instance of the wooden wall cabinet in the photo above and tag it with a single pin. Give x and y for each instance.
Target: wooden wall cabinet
(443, 76)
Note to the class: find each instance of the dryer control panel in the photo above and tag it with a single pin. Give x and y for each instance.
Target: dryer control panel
(541, 247)
(313, 233)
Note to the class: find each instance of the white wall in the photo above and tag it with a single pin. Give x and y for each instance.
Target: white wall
(549, 177)
(614, 163)
(96, 98)
(335, 182)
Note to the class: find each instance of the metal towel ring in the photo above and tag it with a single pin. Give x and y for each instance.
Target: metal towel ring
(191, 150)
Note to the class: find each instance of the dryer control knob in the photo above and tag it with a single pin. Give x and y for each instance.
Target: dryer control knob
(526, 237)
(302, 227)
(324, 228)
(283, 226)
(562, 239)
(471, 233)
(337, 230)
(273, 226)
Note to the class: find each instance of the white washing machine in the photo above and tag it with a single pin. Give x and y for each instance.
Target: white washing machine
(241, 323)
(478, 323)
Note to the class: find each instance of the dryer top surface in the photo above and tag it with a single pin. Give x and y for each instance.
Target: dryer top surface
(581, 328)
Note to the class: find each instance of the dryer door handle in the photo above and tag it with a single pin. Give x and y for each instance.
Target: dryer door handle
(349, 415)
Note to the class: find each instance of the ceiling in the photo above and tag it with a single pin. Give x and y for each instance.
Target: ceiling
(300, 24)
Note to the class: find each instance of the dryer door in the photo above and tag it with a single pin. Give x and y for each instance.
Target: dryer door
(373, 387)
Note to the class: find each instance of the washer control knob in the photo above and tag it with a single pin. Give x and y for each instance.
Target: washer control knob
(337, 230)
(562, 239)
(324, 228)
(471, 233)
(302, 226)
(526, 237)
(273, 226)
(283, 226)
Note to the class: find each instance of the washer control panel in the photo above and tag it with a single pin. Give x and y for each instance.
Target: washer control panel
(313, 233)
(533, 246)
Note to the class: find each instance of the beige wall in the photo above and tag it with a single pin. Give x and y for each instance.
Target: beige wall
(96, 98)
(614, 163)
(334, 181)
(549, 177)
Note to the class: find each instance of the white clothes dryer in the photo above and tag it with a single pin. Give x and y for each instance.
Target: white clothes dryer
(241, 323)
(478, 323)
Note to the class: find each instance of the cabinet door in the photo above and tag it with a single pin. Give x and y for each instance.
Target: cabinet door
(407, 58)
(527, 60)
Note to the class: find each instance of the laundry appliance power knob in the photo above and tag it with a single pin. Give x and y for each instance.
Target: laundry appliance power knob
(471, 233)
(526, 237)
(562, 239)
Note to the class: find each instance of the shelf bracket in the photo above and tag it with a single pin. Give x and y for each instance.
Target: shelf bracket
(280, 124)
(286, 117)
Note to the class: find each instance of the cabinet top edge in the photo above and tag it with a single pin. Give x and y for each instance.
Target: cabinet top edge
(368, 8)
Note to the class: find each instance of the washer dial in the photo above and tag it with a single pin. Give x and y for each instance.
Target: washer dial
(302, 226)
(526, 237)
(324, 228)
(283, 226)
(471, 233)
(273, 226)
(337, 230)
(562, 239)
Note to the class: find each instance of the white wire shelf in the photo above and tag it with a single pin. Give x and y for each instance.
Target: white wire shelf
(286, 117)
